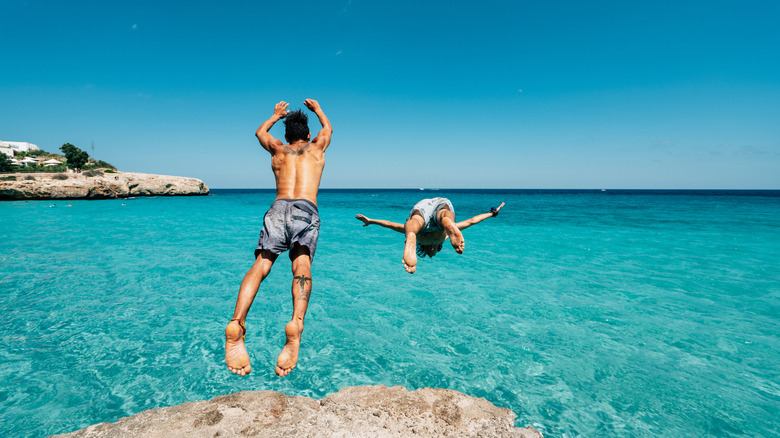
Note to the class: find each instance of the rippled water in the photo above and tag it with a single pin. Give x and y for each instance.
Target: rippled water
(586, 313)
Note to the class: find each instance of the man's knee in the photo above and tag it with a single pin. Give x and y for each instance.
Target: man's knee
(414, 224)
(445, 212)
(263, 262)
(302, 266)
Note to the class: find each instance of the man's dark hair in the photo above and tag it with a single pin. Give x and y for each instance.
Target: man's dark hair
(296, 126)
(422, 250)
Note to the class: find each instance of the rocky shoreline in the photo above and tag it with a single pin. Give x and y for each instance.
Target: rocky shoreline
(357, 411)
(33, 186)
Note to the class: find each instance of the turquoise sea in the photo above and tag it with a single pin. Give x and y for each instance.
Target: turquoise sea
(587, 313)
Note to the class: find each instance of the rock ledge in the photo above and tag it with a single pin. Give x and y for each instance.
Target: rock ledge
(105, 186)
(357, 411)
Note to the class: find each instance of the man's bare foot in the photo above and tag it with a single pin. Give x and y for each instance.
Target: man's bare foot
(236, 357)
(410, 253)
(456, 237)
(288, 358)
(363, 219)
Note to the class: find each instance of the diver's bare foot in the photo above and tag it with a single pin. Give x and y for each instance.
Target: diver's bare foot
(236, 357)
(456, 237)
(288, 358)
(410, 254)
(363, 219)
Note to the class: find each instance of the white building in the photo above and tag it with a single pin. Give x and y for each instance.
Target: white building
(11, 148)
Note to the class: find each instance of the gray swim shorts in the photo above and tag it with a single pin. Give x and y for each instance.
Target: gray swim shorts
(428, 208)
(287, 222)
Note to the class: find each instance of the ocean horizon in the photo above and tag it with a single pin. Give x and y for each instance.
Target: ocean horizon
(755, 192)
(587, 312)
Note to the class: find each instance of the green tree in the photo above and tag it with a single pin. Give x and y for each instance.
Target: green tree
(75, 156)
(5, 162)
(103, 164)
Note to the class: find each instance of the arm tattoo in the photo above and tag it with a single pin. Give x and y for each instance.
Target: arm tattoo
(302, 279)
(296, 152)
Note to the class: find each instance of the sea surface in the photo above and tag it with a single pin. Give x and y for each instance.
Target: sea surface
(587, 313)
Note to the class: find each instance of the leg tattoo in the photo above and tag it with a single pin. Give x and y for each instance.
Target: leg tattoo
(302, 279)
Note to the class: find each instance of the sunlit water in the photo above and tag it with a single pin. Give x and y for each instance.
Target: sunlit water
(585, 313)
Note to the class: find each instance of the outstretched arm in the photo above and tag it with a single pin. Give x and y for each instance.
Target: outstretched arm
(383, 223)
(478, 218)
(262, 134)
(323, 137)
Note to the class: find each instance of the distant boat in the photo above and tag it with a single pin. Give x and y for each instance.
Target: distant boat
(603, 190)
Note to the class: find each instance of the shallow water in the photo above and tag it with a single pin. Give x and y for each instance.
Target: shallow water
(586, 313)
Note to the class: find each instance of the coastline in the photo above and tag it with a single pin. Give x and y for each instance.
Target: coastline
(49, 186)
(355, 411)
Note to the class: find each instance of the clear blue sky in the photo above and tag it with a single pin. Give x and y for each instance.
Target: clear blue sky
(514, 94)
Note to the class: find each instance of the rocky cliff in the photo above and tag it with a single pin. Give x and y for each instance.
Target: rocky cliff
(17, 186)
(358, 411)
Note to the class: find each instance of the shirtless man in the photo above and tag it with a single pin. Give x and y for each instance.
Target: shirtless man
(429, 224)
(291, 223)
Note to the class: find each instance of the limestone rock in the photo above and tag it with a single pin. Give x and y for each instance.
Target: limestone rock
(358, 411)
(143, 184)
(104, 186)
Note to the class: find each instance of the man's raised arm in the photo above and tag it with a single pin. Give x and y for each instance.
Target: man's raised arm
(323, 138)
(479, 218)
(262, 134)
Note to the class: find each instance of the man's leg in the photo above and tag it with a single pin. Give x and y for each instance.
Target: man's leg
(236, 356)
(446, 217)
(301, 290)
(411, 228)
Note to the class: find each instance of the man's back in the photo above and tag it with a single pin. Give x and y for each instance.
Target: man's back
(298, 170)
